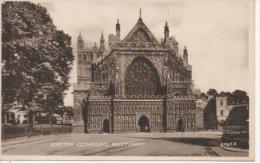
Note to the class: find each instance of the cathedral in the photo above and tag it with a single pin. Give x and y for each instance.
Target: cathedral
(135, 84)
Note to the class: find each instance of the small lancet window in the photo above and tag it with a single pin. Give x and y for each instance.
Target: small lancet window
(221, 112)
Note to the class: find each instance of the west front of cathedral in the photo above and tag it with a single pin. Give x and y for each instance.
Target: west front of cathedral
(136, 84)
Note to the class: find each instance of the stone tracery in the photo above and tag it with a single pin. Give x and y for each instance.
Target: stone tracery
(141, 78)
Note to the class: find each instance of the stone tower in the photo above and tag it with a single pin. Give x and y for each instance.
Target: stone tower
(84, 62)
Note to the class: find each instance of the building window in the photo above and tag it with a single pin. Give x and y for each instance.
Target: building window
(141, 78)
(221, 102)
(221, 112)
(84, 57)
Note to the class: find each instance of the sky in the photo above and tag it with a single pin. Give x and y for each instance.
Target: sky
(215, 32)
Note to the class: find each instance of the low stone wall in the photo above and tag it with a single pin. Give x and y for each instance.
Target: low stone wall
(9, 132)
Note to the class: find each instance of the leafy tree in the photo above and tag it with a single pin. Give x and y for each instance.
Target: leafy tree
(240, 97)
(68, 110)
(236, 97)
(210, 118)
(230, 98)
(238, 116)
(203, 96)
(212, 92)
(222, 93)
(36, 57)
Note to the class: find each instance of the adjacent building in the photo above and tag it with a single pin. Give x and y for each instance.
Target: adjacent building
(222, 109)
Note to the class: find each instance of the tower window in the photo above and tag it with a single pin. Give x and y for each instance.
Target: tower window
(84, 57)
(221, 112)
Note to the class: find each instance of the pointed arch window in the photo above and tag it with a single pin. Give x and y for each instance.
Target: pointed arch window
(142, 78)
(222, 112)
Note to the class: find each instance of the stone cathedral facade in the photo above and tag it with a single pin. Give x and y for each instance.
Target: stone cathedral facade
(135, 84)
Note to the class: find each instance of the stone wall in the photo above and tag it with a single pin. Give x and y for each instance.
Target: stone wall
(128, 111)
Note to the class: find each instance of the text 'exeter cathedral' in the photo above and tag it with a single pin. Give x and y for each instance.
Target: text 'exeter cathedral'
(137, 84)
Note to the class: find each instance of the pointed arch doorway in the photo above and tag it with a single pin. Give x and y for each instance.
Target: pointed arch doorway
(180, 125)
(106, 126)
(143, 124)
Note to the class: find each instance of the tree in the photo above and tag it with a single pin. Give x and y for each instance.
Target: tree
(36, 57)
(238, 116)
(240, 97)
(222, 93)
(69, 111)
(212, 92)
(230, 98)
(203, 96)
(210, 118)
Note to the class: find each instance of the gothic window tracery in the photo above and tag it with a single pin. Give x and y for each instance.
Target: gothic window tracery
(142, 78)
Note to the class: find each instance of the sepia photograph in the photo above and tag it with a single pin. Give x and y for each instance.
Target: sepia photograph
(128, 80)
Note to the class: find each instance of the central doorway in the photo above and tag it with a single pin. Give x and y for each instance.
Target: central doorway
(180, 127)
(143, 123)
(106, 126)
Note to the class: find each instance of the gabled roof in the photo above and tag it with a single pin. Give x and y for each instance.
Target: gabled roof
(140, 33)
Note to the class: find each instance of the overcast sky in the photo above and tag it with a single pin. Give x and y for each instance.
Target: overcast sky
(215, 33)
